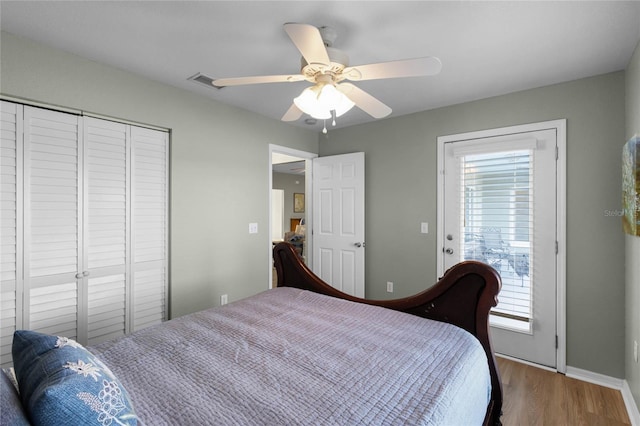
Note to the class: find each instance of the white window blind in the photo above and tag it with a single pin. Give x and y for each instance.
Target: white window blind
(498, 222)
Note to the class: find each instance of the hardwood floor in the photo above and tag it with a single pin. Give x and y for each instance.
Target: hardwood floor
(533, 396)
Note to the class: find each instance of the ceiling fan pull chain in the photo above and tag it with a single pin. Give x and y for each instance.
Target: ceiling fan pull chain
(333, 115)
(324, 128)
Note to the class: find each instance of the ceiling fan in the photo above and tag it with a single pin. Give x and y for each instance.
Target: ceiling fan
(328, 68)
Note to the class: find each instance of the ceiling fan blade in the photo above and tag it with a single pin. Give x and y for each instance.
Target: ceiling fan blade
(238, 81)
(292, 114)
(309, 42)
(364, 101)
(418, 67)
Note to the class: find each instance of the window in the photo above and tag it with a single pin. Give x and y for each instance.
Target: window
(498, 195)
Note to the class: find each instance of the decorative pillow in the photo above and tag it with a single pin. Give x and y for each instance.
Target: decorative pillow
(63, 383)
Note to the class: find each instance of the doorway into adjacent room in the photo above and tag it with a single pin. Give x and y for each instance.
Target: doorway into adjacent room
(290, 200)
(325, 223)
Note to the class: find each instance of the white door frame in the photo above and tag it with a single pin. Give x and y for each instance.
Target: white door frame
(561, 196)
(308, 157)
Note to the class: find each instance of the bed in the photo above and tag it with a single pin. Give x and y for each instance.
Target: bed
(299, 354)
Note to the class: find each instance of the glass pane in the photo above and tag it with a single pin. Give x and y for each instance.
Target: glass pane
(497, 223)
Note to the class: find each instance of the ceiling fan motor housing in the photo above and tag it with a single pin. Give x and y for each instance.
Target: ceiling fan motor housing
(339, 61)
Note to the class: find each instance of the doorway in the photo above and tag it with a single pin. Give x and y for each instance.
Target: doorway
(501, 202)
(292, 171)
(331, 238)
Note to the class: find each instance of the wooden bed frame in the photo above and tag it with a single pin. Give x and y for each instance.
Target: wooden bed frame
(462, 297)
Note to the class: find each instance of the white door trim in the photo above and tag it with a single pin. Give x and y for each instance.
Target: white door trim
(308, 157)
(561, 196)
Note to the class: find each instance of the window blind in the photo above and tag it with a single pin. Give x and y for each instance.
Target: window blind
(498, 222)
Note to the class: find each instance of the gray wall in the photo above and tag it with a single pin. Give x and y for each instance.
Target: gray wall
(400, 155)
(210, 243)
(632, 251)
(219, 164)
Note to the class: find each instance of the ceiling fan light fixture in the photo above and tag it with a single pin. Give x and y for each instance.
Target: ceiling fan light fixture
(343, 106)
(318, 101)
(308, 103)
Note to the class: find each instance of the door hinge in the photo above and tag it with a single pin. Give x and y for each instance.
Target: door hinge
(556, 341)
(556, 247)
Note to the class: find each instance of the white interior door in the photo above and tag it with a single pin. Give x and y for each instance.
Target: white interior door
(150, 224)
(106, 196)
(500, 207)
(11, 235)
(84, 225)
(338, 221)
(52, 223)
(277, 214)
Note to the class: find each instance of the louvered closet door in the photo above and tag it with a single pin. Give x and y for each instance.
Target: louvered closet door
(149, 219)
(10, 222)
(52, 149)
(83, 205)
(105, 229)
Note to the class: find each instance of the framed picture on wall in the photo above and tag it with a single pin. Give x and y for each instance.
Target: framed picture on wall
(631, 186)
(298, 202)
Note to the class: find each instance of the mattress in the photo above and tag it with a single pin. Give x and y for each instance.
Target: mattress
(292, 357)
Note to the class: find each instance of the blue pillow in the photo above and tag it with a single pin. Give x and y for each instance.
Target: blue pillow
(63, 383)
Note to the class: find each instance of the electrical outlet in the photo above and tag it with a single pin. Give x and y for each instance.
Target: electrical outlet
(253, 228)
(224, 299)
(389, 287)
(635, 350)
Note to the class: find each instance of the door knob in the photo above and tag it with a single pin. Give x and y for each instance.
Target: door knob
(449, 251)
(358, 244)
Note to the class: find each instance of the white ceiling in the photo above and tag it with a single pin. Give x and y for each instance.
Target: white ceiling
(487, 48)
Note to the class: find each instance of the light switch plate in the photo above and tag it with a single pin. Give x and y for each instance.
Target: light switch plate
(253, 228)
(424, 227)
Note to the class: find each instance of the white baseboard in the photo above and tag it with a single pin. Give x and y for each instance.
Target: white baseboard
(609, 382)
(630, 403)
(595, 378)
(525, 362)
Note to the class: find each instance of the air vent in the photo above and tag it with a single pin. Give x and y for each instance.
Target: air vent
(203, 79)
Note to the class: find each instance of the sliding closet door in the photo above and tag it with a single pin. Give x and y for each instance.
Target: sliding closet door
(52, 153)
(150, 157)
(10, 222)
(106, 224)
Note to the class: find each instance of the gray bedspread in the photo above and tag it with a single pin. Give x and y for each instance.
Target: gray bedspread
(292, 357)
